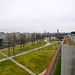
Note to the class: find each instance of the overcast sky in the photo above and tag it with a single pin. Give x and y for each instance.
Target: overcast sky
(37, 15)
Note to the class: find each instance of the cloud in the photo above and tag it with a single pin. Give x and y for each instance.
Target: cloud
(37, 15)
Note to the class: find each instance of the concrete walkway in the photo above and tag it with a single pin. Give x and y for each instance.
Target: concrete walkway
(22, 67)
(10, 48)
(19, 64)
(3, 54)
(43, 72)
(28, 51)
(25, 53)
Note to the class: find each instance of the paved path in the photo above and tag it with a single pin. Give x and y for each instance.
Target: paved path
(28, 51)
(3, 54)
(10, 48)
(22, 67)
(19, 64)
(43, 72)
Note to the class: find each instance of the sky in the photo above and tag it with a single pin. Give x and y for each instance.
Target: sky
(37, 15)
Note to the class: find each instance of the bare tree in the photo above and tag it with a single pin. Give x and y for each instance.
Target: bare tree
(13, 42)
(28, 39)
(43, 36)
(38, 37)
(22, 41)
(33, 39)
(8, 38)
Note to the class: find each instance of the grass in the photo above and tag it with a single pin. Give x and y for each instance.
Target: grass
(57, 69)
(71, 42)
(50, 47)
(51, 41)
(26, 48)
(36, 61)
(1, 56)
(7, 67)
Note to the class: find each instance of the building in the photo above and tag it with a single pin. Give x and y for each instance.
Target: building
(57, 31)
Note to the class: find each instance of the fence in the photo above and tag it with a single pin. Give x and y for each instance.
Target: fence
(51, 66)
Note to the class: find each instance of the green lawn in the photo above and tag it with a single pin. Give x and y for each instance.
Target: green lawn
(26, 48)
(57, 69)
(71, 42)
(7, 67)
(51, 41)
(1, 56)
(37, 61)
(50, 47)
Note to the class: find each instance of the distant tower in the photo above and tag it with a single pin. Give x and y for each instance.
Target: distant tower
(57, 31)
(44, 31)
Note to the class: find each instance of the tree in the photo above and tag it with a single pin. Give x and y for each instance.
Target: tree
(37, 36)
(43, 36)
(14, 40)
(8, 38)
(22, 41)
(28, 39)
(33, 39)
